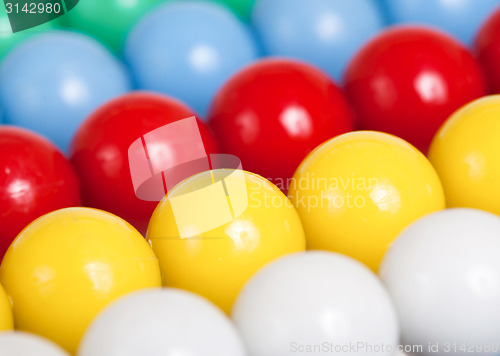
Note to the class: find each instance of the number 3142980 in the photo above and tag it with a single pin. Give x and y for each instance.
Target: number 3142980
(33, 8)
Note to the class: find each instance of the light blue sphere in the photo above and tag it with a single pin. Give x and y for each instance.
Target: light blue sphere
(325, 33)
(460, 18)
(188, 50)
(51, 82)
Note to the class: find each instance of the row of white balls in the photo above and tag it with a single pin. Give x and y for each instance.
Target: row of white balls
(440, 291)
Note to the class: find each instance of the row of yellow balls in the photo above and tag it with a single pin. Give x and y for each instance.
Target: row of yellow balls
(353, 194)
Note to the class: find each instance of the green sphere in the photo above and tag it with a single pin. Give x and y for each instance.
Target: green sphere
(242, 8)
(8, 39)
(109, 21)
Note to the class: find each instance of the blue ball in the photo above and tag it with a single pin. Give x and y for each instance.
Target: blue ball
(460, 18)
(51, 82)
(188, 50)
(325, 33)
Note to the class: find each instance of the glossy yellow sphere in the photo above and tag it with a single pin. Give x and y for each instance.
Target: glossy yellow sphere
(216, 229)
(6, 321)
(466, 155)
(356, 192)
(66, 266)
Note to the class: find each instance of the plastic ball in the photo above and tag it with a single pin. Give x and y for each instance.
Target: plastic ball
(68, 265)
(322, 32)
(358, 191)
(210, 44)
(314, 303)
(35, 179)
(108, 21)
(8, 39)
(6, 320)
(25, 344)
(408, 80)
(443, 274)
(52, 81)
(274, 112)
(487, 49)
(166, 322)
(242, 8)
(99, 151)
(466, 152)
(461, 18)
(211, 243)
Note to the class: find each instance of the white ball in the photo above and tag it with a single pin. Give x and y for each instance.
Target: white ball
(443, 273)
(16, 343)
(316, 303)
(166, 322)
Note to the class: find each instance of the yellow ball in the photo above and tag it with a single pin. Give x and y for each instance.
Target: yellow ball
(466, 155)
(6, 321)
(66, 266)
(355, 193)
(216, 229)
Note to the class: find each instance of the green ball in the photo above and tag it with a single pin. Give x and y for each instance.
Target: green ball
(242, 8)
(109, 21)
(8, 39)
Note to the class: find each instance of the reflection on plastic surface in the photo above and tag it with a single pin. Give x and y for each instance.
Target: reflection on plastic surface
(227, 197)
(156, 169)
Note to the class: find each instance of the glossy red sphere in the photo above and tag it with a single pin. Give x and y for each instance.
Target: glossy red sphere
(274, 112)
(408, 80)
(99, 151)
(487, 49)
(35, 179)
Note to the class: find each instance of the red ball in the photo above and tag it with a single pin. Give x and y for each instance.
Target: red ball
(274, 112)
(35, 179)
(408, 80)
(99, 151)
(487, 49)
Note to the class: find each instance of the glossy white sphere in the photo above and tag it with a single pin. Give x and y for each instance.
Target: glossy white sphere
(16, 343)
(443, 273)
(316, 303)
(166, 322)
